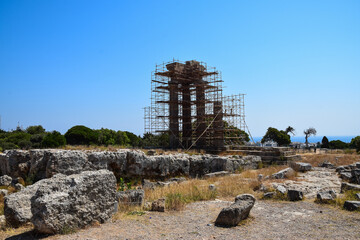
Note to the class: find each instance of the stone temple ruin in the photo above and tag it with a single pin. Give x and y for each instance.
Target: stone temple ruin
(187, 103)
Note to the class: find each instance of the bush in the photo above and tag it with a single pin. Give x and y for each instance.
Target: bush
(355, 143)
(8, 146)
(25, 144)
(337, 144)
(35, 130)
(53, 140)
(81, 135)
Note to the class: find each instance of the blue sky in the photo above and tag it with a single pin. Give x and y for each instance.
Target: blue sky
(64, 63)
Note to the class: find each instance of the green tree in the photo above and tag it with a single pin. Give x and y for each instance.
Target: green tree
(280, 137)
(355, 143)
(38, 129)
(308, 132)
(337, 144)
(81, 135)
(53, 139)
(325, 142)
(290, 129)
(135, 141)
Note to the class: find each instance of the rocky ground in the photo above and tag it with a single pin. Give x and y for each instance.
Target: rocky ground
(268, 219)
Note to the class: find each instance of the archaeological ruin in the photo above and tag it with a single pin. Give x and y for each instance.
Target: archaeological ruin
(187, 103)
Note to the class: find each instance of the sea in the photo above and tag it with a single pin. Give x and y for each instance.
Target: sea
(314, 139)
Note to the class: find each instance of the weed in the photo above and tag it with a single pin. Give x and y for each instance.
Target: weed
(349, 195)
(137, 213)
(66, 229)
(121, 185)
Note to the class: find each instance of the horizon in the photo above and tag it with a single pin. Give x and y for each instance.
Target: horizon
(66, 63)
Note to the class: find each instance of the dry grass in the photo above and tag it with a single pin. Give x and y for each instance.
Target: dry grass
(346, 196)
(227, 187)
(335, 159)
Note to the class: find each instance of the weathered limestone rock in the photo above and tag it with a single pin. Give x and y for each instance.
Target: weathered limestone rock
(301, 167)
(355, 173)
(10, 161)
(3, 192)
(158, 205)
(346, 175)
(348, 186)
(326, 164)
(66, 162)
(285, 173)
(295, 195)
(131, 197)
(352, 205)
(17, 206)
(45, 163)
(326, 196)
(357, 196)
(73, 201)
(231, 216)
(281, 189)
(5, 180)
(216, 174)
(269, 195)
(19, 187)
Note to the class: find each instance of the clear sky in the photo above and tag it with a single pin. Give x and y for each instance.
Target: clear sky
(64, 63)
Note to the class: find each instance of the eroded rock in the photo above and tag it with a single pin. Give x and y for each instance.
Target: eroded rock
(348, 186)
(301, 167)
(295, 195)
(352, 205)
(326, 196)
(231, 216)
(285, 173)
(5, 180)
(158, 205)
(73, 201)
(131, 197)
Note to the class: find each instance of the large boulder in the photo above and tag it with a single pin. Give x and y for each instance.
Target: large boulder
(73, 201)
(301, 167)
(131, 197)
(231, 216)
(285, 173)
(17, 206)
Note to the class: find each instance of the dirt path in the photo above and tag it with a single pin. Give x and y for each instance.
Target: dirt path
(269, 220)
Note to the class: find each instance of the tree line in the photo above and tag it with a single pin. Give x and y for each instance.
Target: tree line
(37, 137)
(282, 138)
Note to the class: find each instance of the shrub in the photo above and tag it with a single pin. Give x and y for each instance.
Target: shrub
(81, 135)
(355, 143)
(35, 129)
(25, 144)
(8, 146)
(337, 144)
(53, 140)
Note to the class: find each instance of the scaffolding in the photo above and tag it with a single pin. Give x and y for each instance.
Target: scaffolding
(187, 103)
